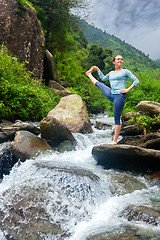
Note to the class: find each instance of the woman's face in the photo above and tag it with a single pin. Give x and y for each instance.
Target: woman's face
(118, 61)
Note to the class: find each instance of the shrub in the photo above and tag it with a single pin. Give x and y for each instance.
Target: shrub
(22, 97)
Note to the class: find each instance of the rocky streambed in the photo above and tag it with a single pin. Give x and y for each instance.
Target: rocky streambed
(52, 187)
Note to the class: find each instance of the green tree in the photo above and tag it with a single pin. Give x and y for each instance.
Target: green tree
(55, 17)
(100, 57)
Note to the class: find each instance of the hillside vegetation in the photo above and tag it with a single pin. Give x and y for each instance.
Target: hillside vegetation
(74, 52)
(134, 59)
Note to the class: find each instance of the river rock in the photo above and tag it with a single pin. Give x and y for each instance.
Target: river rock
(21, 33)
(7, 133)
(55, 132)
(22, 126)
(26, 145)
(153, 108)
(102, 126)
(142, 213)
(71, 112)
(150, 140)
(7, 160)
(27, 217)
(121, 183)
(127, 158)
(125, 233)
(41, 204)
(3, 137)
(131, 130)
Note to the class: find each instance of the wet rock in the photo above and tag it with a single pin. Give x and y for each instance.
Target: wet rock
(26, 145)
(153, 108)
(127, 157)
(21, 33)
(7, 160)
(102, 126)
(121, 184)
(126, 233)
(8, 132)
(142, 213)
(43, 202)
(71, 112)
(55, 132)
(71, 170)
(26, 217)
(3, 137)
(122, 234)
(22, 126)
(65, 146)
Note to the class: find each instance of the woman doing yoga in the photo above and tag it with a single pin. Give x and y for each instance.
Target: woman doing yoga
(117, 92)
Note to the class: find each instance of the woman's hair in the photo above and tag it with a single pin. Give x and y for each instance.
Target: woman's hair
(113, 60)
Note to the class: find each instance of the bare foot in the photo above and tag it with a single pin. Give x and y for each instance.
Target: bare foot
(88, 72)
(113, 143)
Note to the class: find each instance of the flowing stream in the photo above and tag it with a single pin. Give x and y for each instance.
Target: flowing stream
(80, 199)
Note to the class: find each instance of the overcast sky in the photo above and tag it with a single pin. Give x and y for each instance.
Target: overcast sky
(135, 21)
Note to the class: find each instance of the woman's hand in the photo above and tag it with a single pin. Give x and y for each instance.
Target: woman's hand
(126, 90)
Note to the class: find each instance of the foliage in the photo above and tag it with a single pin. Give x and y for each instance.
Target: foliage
(100, 57)
(21, 6)
(21, 97)
(147, 122)
(147, 90)
(72, 74)
(55, 17)
(73, 56)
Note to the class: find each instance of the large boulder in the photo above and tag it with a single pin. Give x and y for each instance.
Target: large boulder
(21, 33)
(54, 132)
(127, 158)
(71, 112)
(153, 108)
(26, 145)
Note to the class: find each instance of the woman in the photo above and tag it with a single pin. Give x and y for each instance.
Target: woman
(117, 92)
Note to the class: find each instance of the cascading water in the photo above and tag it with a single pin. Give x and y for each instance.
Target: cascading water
(67, 196)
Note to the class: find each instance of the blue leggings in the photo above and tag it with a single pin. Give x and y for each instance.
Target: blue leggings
(117, 99)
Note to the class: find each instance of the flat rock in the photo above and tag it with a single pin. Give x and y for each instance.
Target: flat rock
(127, 158)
